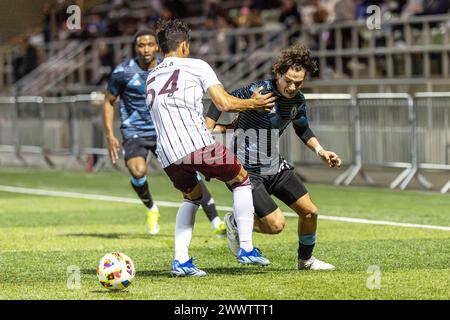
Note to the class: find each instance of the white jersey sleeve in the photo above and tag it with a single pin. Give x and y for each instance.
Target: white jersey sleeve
(205, 74)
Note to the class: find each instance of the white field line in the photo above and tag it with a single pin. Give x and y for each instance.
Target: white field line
(76, 195)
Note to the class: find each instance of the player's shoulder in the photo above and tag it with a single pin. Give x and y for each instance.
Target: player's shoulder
(300, 97)
(267, 86)
(197, 63)
(124, 66)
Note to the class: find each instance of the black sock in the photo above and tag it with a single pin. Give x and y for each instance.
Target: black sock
(306, 244)
(208, 204)
(144, 194)
(305, 251)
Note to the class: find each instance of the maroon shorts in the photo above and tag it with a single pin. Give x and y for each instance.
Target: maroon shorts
(213, 161)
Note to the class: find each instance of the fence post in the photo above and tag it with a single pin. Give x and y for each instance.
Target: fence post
(16, 139)
(44, 150)
(74, 134)
(349, 175)
(413, 139)
(356, 165)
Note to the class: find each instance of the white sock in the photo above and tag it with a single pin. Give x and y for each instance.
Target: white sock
(243, 215)
(154, 207)
(184, 226)
(216, 222)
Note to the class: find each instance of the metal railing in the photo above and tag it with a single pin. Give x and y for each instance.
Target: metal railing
(353, 40)
(433, 131)
(45, 128)
(379, 130)
(366, 130)
(402, 53)
(78, 67)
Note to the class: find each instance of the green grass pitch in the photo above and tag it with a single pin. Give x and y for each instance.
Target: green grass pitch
(41, 236)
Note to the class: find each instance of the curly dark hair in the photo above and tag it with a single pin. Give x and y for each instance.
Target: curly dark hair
(297, 56)
(170, 33)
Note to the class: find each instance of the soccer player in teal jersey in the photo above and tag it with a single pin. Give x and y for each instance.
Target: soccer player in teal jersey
(138, 131)
(270, 174)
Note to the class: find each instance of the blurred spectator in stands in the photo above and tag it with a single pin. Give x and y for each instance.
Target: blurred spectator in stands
(96, 27)
(290, 14)
(128, 25)
(248, 17)
(264, 4)
(412, 8)
(177, 8)
(290, 17)
(106, 57)
(119, 10)
(26, 59)
(214, 9)
(156, 6)
(344, 10)
(435, 7)
(362, 5)
(395, 7)
(54, 15)
(216, 19)
(321, 13)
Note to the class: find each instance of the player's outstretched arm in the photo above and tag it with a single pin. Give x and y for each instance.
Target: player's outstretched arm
(108, 124)
(215, 127)
(228, 103)
(331, 158)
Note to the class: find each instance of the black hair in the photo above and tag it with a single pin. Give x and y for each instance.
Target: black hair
(170, 33)
(143, 32)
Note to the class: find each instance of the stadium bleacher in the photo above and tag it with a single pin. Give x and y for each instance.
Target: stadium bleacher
(412, 45)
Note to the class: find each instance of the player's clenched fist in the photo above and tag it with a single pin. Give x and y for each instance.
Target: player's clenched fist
(331, 158)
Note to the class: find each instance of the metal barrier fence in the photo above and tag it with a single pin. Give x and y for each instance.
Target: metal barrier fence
(331, 117)
(379, 130)
(48, 127)
(367, 130)
(433, 131)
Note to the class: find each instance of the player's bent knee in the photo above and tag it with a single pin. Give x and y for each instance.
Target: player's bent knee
(277, 227)
(310, 213)
(137, 171)
(279, 223)
(276, 221)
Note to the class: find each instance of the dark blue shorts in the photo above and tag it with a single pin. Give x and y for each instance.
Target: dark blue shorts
(284, 185)
(138, 147)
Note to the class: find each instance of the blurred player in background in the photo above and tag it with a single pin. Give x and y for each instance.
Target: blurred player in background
(276, 177)
(138, 131)
(174, 97)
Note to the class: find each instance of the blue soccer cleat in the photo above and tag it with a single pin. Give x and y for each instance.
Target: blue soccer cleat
(187, 269)
(252, 257)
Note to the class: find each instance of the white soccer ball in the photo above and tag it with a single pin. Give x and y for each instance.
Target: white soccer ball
(115, 271)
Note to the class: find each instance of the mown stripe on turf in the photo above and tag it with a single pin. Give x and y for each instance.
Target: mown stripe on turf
(77, 195)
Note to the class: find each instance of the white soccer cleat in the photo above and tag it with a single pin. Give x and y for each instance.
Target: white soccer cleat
(314, 264)
(232, 234)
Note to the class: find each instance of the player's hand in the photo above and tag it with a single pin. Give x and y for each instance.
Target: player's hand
(114, 148)
(263, 101)
(331, 158)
